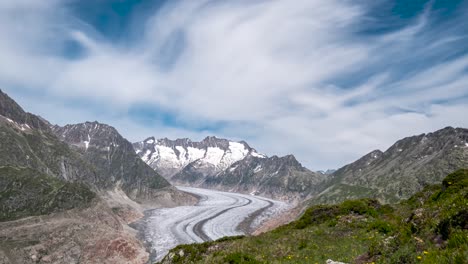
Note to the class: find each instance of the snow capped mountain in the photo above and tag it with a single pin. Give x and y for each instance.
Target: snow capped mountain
(211, 155)
(227, 165)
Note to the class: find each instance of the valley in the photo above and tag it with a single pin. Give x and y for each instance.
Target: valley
(216, 215)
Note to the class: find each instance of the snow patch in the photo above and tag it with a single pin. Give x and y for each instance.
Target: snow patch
(9, 120)
(257, 155)
(87, 142)
(258, 168)
(238, 151)
(232, 168)
(182, 152)
(147, 156)
(466, 144)
(25, 127)
(195, 153)
(150, 141)
(213, 156)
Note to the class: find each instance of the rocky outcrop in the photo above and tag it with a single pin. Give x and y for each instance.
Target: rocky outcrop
(28, 141)
(113, 159)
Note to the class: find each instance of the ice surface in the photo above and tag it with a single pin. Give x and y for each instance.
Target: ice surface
(257, 155)
(218, 214)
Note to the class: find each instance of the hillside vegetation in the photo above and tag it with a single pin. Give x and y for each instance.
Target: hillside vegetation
(430, 227)
(26, 192)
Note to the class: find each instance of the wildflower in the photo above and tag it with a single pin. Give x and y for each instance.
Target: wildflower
(449, 183)
(419, 257)
(425, 252)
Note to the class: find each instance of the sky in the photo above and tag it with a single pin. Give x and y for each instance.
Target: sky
(328, 81)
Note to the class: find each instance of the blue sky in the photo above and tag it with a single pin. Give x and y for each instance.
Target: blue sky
(328, 81)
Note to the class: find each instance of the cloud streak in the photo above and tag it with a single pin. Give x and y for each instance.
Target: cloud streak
(304, 78)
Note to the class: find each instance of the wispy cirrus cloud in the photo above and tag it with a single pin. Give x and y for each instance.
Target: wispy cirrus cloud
(317, 79)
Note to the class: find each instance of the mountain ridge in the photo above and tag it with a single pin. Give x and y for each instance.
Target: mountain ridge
(403, 169)
(227, 165)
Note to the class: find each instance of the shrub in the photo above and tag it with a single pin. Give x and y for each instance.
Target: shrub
(239, 257)
(382, 227)
(362, 207)
(316, 215)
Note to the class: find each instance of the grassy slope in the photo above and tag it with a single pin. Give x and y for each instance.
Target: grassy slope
(430, 227)
(26, 192)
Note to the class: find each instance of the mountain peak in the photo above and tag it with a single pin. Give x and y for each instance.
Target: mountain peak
(13, 111)
(10, 109)
(211, 155)
(88, 134)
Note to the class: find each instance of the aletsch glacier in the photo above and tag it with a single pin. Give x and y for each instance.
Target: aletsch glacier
(218, 214)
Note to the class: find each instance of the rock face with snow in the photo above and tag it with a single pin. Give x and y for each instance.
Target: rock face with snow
(283, 178)
(405, 168)
(227, 165)
(113, 158)
(208, 157)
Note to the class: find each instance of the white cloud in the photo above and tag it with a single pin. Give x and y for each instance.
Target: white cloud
(267, 70)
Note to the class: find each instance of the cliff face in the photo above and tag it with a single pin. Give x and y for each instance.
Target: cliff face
(27, 141)
(113, 158)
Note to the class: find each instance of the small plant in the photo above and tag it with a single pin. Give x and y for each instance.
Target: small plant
(241, 258)
(382, 227)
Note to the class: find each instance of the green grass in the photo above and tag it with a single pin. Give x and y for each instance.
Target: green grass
(430, 227)
(26, 192)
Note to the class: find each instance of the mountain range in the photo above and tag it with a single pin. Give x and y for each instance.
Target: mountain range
(68, 193)
(228, 165)
(396, 174)
(404, 169)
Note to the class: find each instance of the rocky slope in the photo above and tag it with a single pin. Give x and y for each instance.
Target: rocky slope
(25, 192)
(69, 203)
(402, 170)
(94, 234)
(28, 141)
(283, 178)
(230, 166)
(114, 160)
